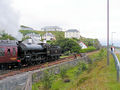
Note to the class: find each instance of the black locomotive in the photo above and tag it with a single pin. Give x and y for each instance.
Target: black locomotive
(18, 53)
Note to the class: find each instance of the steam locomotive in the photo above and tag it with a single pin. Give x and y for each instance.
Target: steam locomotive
(18, 53)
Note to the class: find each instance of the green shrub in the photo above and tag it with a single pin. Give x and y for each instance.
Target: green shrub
(77, 72)
(47, 80)
(102, 54)
(68, 45)
(63, 72)
(89, 49)
(82, 66)
(99, 56)
(67, 53)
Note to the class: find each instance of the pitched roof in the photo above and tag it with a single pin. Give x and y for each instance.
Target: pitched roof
(49, 34)
(52, 27)
(72, 30)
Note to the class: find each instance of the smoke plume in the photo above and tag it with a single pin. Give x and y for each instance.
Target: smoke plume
(9, 18)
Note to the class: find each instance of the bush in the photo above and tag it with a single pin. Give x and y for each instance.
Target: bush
(89, 49)
(99, 56)
(63, 72)
(68, 45)
(82, 66)
(47, 80)
(102, 54)
(67, 53)
(77, 72)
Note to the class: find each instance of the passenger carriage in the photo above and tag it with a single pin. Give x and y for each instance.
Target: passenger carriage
(8, 52)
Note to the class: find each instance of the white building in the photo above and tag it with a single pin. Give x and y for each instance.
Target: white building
(83, 45)
(48, 36)
(51, 28)
(33, 35)
(72, 33)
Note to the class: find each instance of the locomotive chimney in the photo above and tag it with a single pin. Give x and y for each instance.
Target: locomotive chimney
(19, 42)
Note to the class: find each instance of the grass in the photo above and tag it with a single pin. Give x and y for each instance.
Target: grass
(89, 49)
(58, 83)
(63, 56)
(101, 77)
(98, 76)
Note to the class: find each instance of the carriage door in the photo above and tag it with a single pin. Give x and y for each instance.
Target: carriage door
(14, 54)
(8, 53)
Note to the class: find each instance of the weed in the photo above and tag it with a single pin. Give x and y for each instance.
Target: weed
(47, 80)
(63, 72)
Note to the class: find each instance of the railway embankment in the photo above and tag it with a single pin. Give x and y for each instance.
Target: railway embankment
(71, 78)
(99, 75)
(25, 80)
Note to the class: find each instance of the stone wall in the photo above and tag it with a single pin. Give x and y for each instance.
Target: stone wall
(25, 80)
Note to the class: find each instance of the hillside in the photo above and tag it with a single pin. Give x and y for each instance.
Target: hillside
(58, 34)
(93, 76)
(98, 77)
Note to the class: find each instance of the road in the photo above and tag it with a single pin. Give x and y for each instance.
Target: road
(117, 50)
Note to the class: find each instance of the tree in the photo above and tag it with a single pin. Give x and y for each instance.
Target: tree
(91, 42)
(68, 45)
(5, 36)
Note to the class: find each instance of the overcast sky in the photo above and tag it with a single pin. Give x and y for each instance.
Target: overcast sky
(88, 16)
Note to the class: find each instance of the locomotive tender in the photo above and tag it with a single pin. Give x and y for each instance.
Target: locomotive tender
(18, 53)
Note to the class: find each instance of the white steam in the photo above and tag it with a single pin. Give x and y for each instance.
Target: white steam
(9, 19)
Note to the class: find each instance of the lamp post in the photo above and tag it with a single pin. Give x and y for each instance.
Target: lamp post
(112, 38)
(107, 32)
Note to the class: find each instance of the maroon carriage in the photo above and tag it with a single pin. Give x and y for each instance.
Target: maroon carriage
(8, 52)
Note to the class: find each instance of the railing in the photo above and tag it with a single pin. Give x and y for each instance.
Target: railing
(117, 64)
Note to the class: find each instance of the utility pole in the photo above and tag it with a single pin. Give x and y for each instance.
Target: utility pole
(107, 32)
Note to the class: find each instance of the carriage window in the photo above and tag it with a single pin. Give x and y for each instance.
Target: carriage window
(14, 52)
(2, 52)
(8, 52)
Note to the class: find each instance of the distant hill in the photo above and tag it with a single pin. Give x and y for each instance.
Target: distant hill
(58, 34)
(22, 27)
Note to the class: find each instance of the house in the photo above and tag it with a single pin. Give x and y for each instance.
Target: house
(33, 35)
(25, 28)
(72, 33)
(51, 28)
(48, 36)
(83, 45)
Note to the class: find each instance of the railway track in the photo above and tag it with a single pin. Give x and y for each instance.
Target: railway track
(7, 73)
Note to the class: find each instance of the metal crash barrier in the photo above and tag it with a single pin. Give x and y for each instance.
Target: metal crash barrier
(117, 64)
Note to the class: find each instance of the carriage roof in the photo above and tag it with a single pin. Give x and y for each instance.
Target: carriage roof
(8, 43)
